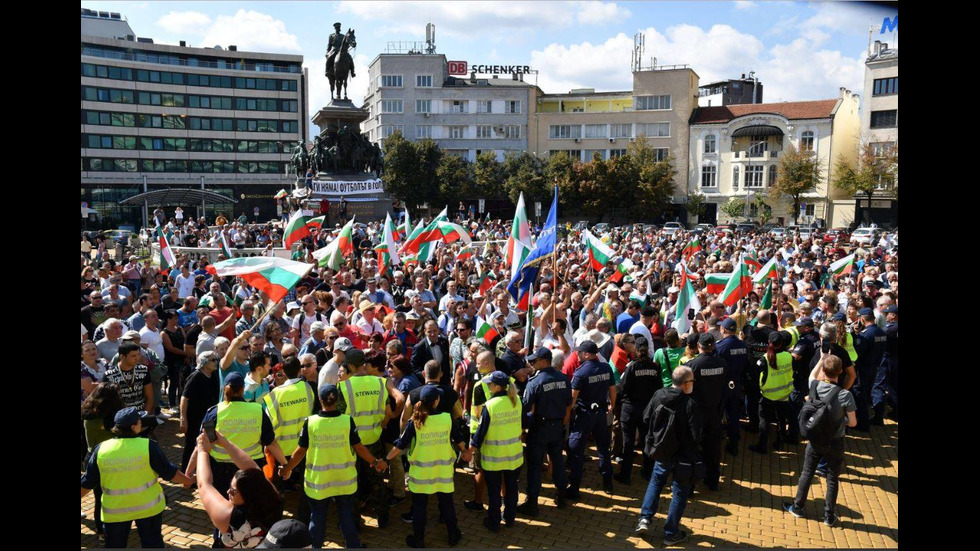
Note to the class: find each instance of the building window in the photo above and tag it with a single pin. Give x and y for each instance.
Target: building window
(512, 107)
(661, 153)
(880, 148)
(616, 153)
(590, 154)
(484, 106)
(620, 130)
(806, 141)
(653, 129)
(753, 176)
(513, 132)
(390, 81)
(484, 131)
(650, 103)
(423, 131)
(709, 175)
(423, 106)
(735, 178)
(885, 86)
(391, 106)
(458, 107)
(389, 129)
(884, 119)
(710, 143)
(772, 175)
(809, 210)
(423, 81)
(595, 131)
(564, 131)
(457, 132)
(757, 147)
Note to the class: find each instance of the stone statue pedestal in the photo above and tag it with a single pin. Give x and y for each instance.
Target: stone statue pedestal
(337, 114)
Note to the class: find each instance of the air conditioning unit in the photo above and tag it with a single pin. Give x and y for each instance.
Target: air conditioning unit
(426, 115)
(578, 140)
(632, 140)
(498, 129)
(612, 140)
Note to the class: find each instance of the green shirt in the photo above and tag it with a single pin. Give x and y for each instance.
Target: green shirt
(668, 363)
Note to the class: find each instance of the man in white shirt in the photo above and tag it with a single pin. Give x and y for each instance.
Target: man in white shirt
(329, 373)
(302, 321)
(184, 282)
(150, 335)
(368, 324)
(450, 295)
(378, 296)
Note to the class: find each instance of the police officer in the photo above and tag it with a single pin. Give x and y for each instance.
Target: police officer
(870, 346)
(640, 380)
(710, 388)
(127, 467)
(775, 384)
(803, 351)
(736, 355)
(886, 381)
(757, 339)
(288, 406)
(594, 394)
(327, 442)
(547, 403)
(363, 396)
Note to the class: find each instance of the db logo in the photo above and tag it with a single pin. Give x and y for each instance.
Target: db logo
(457, 68)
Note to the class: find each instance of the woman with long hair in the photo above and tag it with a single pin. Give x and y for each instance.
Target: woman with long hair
(775, 384)
(93, 368)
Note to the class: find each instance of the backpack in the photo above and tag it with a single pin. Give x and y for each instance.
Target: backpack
(818, 422)
(662, 441)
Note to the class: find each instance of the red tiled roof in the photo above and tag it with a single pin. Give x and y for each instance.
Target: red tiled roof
(820, 109)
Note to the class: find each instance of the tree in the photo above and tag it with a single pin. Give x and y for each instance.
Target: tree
(426, 185)
(401, 169)
(456, 180)
(763, 208)
(561, 170)
(655, 180)
(489, 176)
(734, 208)
(695, 203)
(799, 173)
(525, 173)
(876, 169)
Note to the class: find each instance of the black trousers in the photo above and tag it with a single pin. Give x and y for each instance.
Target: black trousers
(711, 436)
(371, 485)
(546, 437)
(771, 411)
(752, 393)
(494, 481)
(834, 455)
(420, 503)
(631, 421)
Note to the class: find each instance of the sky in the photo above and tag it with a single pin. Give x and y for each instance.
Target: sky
(798, 50)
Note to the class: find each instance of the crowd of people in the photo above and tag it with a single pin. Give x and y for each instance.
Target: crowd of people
(360, 388)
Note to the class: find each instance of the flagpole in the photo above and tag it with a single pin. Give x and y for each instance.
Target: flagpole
(530, 318)
(264, 314)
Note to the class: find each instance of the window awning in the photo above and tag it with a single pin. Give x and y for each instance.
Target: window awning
(175, 197)
(757, 130)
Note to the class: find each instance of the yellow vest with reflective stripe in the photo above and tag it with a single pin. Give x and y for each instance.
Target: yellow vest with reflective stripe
(365, 396)
(431, 457)
(502, 450)
(474, 414)
(288, 406)
(330, 464)
(241, 424)
(849, 346)
(130, 490)
(779, 382)
(794, 333)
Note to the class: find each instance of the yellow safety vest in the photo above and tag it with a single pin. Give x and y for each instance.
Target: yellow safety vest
(130, 490)
(779, 382)
(241, 424)
(288, 406)
(474, 415)
(432, 456)
(365, 397)
(501, 450)
(794, 333)
(849, 346)
(330, 463)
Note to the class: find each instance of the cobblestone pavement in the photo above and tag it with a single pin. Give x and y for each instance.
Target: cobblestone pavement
(745, 511)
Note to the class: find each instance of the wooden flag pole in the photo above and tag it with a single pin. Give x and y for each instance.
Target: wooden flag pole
(264, 314)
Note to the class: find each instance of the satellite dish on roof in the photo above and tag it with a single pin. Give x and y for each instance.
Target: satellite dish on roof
(218, 47)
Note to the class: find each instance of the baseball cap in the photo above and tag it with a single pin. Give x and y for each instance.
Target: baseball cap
(327, 390)
(728, 324)
(499, 378)
(287, 534)
(673, 289)
(317, 326)
(343, 344)
(539, 354)
(128, 417)
(430, 393)
(131, 335)
(866, 312)
(588, 347)
(805, 321)
(839, 316)
(235, 380)
(292, 306)
(890, 309)
(706, 340)
(611, 289)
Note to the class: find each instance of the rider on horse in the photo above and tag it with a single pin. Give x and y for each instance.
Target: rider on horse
(334, 44)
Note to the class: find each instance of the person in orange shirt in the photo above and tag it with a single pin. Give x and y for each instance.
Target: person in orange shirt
(624, 351)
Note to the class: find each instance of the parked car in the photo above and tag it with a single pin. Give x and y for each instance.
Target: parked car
(670, 228)
(778, 232)
(746, 227)
(836, 235)
(600, 228)
(650, 228)
(806, 232)
(769, 227)
(117, 235)
(702, 229)
(581, 225)
(864, 236)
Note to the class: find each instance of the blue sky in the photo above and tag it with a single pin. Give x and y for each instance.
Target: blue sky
(799, 50)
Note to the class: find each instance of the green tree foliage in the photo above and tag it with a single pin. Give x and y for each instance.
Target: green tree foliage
(734, 208)
(799, 173)
(764, 210)
(489, 176)
(695, 203)
(874, 168)
(456, 179)
(401, 169)
(525, 173)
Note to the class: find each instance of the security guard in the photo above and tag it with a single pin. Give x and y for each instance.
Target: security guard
(364, 397)
(127, 467)
(710, 388)
(499, 440)
(288, 406)
(485, 362)
(757, 339)
(328, 442)
(803, 351)
(788, 323)
(847, 340)
(886, 381)
(245, 425)
(430, 438)
(736, 355)
(640, 380)
(547, 405)
(870, 345)
(594, 394)
(775, 384)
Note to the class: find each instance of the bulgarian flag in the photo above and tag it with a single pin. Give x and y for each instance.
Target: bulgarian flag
(282, 193)
(167, 260)
(465, 253)
(485, 330)
(316, 223)
(739, 285)
(770, 270)
(692, 248)
(404, 229)
(296, 229)
(428, 233)
(387, 252)
(766, 301)
(622, 270)
(519, 242)
(599, 253)
(752, 261)
(487, 280)
(223, 244)
(686, 301)
(716, 282)
(682, 269)
(843, 266)
(271, 275)
(332, 256)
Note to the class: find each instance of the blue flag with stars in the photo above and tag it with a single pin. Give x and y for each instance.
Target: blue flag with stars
(544, 248)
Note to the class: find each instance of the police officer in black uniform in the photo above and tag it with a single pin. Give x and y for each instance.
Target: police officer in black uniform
(640, 380)
(547, 403)
(757, 339)
(869, 343)
(886, 382)
(736, 355)
(710, 387)
(594, 393)
(806, 347)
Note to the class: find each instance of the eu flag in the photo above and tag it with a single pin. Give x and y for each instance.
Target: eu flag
(544, 248)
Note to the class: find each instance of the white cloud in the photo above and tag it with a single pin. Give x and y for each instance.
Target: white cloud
(847, 17)
(185, 22)
(795, 71)
(601, 13)
(319, 85)
(602, 66)
(816, 37)
(251, 31)
(744, 5)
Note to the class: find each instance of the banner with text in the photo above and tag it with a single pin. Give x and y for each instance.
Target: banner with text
(361, 187)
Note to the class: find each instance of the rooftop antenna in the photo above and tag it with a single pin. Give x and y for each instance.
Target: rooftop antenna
(430, 38)
(638, 44)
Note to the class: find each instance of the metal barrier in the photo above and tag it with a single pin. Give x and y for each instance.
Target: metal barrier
(211, 254)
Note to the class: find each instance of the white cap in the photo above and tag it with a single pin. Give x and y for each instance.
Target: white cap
(292, 306)
(673, 289)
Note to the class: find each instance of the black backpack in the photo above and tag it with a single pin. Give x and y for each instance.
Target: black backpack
(662, 441)
(818, 421)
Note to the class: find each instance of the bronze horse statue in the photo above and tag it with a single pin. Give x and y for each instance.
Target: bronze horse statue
(343, 67)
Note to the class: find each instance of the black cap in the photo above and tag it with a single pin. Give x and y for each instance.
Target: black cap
(235, 380)
(839, 316)
(805, 321)
(540, 353)
(706, 340)
(588, 347)
(128, 417)
(728, 324)
(287, 534)
(327, 390)
(430, 393)
(890, 309)
(500, 378)
(692, 339)
(641, 342)
(866, 312)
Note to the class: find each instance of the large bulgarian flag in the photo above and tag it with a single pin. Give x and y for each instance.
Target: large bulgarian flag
(739, 285)
(332, 256)
(440, 229)
(769, 271)
(223, 244)
(519, 242)
(487, 279)
(766, 301)
(296, 229)
(485, 330)
(316, 223)
(167, 260)
(387, 251)
(691, 249)
(687, 300)
(274, 276)
(716, 282)
(599, 253)
(843, 266)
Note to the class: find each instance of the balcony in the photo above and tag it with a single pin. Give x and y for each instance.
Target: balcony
(755, 155)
